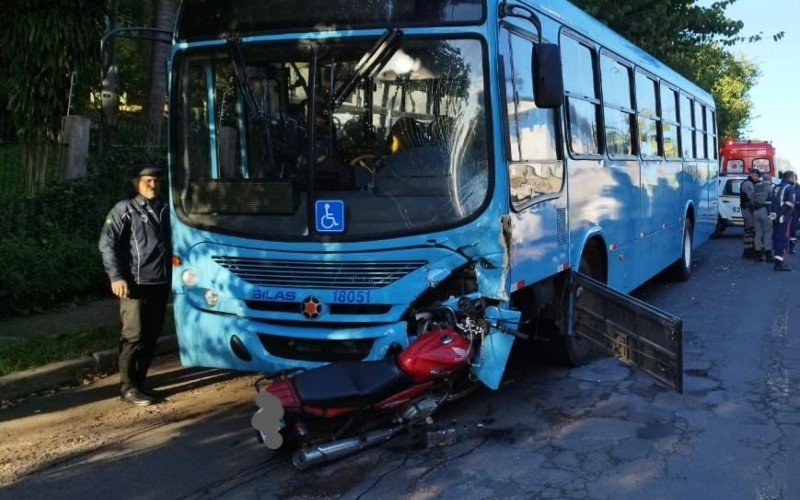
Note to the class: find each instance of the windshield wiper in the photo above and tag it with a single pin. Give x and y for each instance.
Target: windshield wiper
(372, 61)
(257, 112)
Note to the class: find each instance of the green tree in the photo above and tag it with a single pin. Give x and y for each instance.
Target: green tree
(42, 44)
(132, 55)
(693, 40)
(165, 20)
(728, 78)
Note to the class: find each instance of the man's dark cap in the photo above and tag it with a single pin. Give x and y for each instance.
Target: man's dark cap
(145, 169)
(756, 171)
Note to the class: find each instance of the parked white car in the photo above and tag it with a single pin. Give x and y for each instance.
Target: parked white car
(730, 212)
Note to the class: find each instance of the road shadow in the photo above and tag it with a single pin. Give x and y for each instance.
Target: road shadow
(168, 383)
(210, 456)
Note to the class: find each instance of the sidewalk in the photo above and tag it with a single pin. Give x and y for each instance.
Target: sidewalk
(100, 313)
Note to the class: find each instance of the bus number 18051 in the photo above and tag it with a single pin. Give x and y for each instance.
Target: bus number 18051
(351, 296)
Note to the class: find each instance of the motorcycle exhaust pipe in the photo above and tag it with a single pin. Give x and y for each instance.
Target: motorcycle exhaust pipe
(333, 450)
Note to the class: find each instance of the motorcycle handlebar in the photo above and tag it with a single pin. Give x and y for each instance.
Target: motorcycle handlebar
(512, 332)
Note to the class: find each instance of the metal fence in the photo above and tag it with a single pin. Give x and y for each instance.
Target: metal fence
(28, 169)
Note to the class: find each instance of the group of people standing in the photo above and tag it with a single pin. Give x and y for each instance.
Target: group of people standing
(771, 221)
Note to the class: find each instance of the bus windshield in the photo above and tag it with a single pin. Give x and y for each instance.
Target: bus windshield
(402, 147)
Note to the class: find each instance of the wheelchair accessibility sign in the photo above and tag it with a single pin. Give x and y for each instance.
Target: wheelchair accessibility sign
(329, 216)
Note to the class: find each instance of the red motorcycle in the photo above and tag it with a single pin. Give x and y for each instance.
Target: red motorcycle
(344, 407)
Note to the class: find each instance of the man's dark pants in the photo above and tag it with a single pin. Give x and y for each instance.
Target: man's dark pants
(780, 236)
(142, 315)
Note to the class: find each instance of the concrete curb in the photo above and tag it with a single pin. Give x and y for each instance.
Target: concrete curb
(70, 371)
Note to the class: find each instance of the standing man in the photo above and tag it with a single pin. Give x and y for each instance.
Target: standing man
(795, 225)
(745, 194)
(781, 209)
(761, 222)
(136, 247)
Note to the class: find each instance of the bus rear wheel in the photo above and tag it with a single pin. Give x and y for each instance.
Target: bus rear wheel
(681, 269)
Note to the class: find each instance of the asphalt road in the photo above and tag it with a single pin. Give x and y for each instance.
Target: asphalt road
(599, 431)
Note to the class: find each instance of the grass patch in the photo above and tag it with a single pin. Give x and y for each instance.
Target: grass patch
(40, 350)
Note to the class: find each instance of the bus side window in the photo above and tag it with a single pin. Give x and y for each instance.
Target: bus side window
(699, 131)
(583, 104)
(711, 131)
(647, 116)
(618, 106)
(669, 121)
(687, 133)
(534, 166)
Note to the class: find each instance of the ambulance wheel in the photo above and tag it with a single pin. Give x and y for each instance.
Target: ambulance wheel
(681, 269)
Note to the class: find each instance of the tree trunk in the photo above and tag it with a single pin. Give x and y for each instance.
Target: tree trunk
(165, 20)
(35, 158)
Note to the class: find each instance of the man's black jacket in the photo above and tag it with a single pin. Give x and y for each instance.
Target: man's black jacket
(135, 242)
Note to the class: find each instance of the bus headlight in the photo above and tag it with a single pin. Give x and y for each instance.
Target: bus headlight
(211, 297)
(189, 278)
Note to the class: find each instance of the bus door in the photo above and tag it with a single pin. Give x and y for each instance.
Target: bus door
(631, 330)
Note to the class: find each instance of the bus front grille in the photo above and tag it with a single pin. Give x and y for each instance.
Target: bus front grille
(316, 349)
(297, 307)
(347, 275)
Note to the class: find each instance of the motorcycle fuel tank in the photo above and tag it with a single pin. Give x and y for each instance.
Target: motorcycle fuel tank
(435, 355)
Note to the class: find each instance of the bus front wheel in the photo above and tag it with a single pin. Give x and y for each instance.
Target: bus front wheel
(571, 350)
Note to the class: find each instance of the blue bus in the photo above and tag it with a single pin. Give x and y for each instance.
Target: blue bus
(338, 166)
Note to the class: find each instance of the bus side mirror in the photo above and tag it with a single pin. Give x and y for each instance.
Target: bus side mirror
(548, 79)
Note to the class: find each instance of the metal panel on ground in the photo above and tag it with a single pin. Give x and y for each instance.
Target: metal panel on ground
(633, 331)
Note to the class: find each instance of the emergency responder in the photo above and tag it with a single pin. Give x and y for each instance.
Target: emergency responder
(136, 248)
(795, 225)
(781, 210)
(759, 205)
(746, 191)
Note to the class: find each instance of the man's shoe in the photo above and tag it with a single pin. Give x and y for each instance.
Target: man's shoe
(760, 256)
(792, 244)
(768, 256)
(136, 397)
(780, 266)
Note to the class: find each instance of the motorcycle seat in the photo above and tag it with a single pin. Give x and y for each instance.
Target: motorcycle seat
(351, 383)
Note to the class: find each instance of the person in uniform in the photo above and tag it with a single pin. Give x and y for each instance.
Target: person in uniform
(759, 206)
(795, 225)
(745, 192)
(135, 244)
(781, 211)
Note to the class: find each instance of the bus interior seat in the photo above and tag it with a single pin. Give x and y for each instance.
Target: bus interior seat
(405, 133)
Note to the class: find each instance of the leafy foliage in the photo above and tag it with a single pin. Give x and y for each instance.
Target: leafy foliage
(43, 43)
(49, 249)
(42, 347)
(132, 56)
(694, 40)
